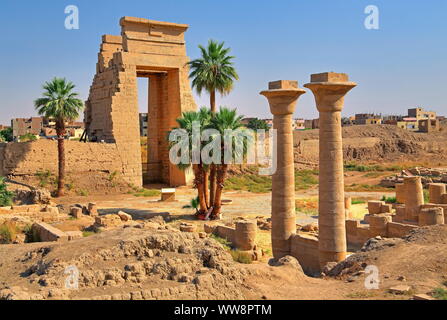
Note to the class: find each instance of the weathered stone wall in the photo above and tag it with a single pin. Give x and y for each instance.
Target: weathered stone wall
(27, 158)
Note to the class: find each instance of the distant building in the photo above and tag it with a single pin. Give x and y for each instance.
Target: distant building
(246, 121)
(22, 126)
(143, 124)
(429, 125)
(421, 114)
(2, 127)
(43, 127)
(298, 124)
(368, 118)
(392, 119)
(312, 124)
(409, 123)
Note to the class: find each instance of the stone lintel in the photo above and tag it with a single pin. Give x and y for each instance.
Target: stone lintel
(125, 20)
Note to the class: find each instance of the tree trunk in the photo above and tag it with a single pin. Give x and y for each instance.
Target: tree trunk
(213, 101)
(213, 167)
(60, 131)
(198, 181)
(206, 190)
(221, 176)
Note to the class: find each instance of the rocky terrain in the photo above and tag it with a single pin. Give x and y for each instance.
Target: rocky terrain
(151, 260)
(146, 260)
(378, 143)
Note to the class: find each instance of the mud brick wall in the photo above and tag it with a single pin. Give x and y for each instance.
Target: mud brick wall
(27, 158)
(431, 205)
(398, 230)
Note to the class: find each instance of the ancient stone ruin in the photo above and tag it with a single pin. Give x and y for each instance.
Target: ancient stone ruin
(312, 253)
(282, 97)
(329, 90)
(149, 49)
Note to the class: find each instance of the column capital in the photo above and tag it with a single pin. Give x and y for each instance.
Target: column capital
(282, 96)
(329, 89)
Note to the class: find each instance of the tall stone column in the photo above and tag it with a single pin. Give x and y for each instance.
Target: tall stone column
(282, 96)
(329, 90)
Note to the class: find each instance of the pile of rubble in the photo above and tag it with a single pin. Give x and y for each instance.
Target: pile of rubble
(155, 261)
(428, 176)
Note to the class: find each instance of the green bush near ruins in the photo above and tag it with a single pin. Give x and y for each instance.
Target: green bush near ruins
(237, 255)
(6, 135)
(371, 168)
(304, 179)
(28, 137)
(147, 193)
(5, 195)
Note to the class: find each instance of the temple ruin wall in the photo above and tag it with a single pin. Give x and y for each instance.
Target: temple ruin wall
(28, 158)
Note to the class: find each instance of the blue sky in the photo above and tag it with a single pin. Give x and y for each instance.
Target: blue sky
(401, 65)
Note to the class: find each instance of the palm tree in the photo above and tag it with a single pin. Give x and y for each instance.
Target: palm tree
(226, 121)
(214, 71)
(60, 103)
(185, 122)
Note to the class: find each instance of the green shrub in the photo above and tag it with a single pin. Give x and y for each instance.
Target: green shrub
(44, 178)
(112, 176)
(351, 166)
(5, 195)
(440, 294)
(224, 242)
(358, 201)
(426, 196)
(87, 233)
(147, 193)
(27, 137)
(241, 256)
(83, 192)
(389, 199)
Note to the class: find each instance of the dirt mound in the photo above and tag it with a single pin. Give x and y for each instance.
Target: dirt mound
(420, 259)
(377, 143)
(154, 263)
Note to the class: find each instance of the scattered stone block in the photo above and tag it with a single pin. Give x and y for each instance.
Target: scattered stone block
(209, 228)
(422, 297)
(375, 207)
(168, 194)
(245, 235)
(47, 233)
(76, 212)
(386, 208)
(92, 209)
(72, 235)
(187, 227)
(108, 221)
(124, 216)
(401, 289)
